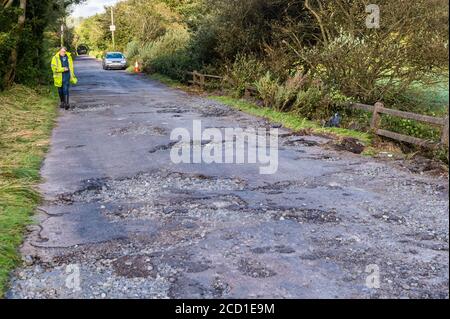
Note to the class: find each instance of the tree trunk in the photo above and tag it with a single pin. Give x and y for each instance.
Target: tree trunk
(7, 3)
(10, 73)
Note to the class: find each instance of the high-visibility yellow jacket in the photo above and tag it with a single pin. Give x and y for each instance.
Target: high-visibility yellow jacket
(58, 70)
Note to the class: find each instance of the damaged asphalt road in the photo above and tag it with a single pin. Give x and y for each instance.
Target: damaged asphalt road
(132, 224)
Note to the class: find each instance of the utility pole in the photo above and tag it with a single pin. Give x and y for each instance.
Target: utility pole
(62, 35)
(62, 23)
(113, 29)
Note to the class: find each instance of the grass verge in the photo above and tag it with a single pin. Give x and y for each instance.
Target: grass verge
(373, 145)
(435, 99)
(166, 80)
(288, 120)
(26, 120)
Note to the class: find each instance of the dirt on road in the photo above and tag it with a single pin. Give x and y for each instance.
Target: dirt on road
(120, 220)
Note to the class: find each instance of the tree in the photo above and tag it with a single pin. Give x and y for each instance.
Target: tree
(12, 60)
(411, 45)
(22, 34)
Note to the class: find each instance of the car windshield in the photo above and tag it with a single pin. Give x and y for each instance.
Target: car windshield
(114, 56)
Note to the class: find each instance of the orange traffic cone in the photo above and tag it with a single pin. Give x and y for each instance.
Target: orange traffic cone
(136, 67)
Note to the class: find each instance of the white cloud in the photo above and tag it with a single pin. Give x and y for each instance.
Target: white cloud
(91, 7)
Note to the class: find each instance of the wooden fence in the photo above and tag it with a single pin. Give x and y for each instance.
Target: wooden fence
(200, 79)
(377, 110)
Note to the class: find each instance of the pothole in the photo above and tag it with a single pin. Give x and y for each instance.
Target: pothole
(169, 106)
(300, 142)
(184, 287)
(390, 218)
(191, 143)
(280, 187)
(148, 187)
(352, 145)
(281, 249)
(254, 269)
(75, 146)
(183, 261)
(167, 206)
(305, 215)
(139, 129)
(86, 107)
(172, 111)
(215, 111)
(135, 267)
(163, 147)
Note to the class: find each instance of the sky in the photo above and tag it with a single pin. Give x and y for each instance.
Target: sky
(91, 7)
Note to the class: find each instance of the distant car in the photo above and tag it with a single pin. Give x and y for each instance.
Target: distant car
(82, 50)
(114, 60)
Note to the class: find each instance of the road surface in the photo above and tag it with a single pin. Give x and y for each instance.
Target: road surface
(120, 220)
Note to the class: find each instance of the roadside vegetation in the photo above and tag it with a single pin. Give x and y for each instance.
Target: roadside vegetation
(307, 58)
(29, 36)
(26, 119)
(287, 119)
(29, 33)
(290, 120)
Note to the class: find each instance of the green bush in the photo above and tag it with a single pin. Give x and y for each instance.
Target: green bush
(167, 55)
(412, 128)
(244, 72)
(267, 88)
(173, 65)
(369, 64)
(203, 45)
(287, 94)
(311, 103)
(301, 95)
(132, 50)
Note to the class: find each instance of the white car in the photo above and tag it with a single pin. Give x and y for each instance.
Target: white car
(114, 60)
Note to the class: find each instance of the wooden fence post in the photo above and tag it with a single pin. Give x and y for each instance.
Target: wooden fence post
(376, 118)
(202, 81)
(444, 136)
(194, 77)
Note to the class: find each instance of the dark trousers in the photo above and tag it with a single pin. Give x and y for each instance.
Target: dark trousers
(64, 90)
